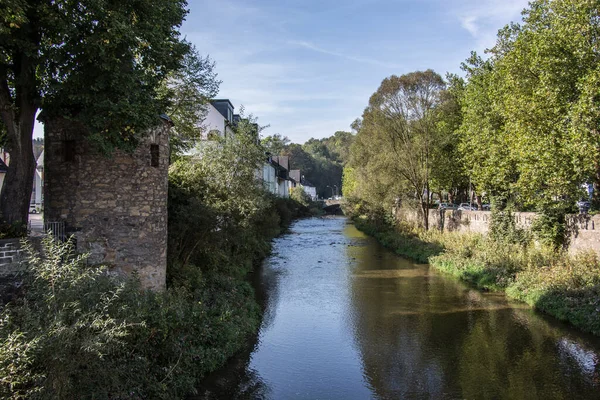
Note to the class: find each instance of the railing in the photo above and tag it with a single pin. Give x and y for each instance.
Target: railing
(56, 229)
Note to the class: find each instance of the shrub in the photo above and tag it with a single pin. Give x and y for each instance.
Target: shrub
(78, 332)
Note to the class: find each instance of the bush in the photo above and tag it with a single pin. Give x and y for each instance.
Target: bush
(78, 332)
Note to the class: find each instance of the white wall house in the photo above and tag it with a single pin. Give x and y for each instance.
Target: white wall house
(219, 119)
(269, 177)
(308, 188)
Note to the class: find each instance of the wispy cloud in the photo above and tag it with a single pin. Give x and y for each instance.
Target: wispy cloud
(349, 57)
(483, 18)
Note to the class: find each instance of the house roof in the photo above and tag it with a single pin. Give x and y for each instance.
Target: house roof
(284, 161)
(222, 101)
(295, 174)
(165, 117)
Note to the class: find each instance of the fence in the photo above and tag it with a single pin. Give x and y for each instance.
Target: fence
(56, 229)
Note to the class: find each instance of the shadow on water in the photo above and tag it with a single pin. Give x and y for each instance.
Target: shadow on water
(346, 318)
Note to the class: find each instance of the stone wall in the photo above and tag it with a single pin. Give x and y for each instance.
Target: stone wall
(585, 229)
(10, 255)
(115, 206)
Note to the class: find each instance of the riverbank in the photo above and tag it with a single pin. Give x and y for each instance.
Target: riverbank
(562, 285)
(74, 331)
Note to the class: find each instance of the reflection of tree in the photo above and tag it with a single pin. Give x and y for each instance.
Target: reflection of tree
(422, 335)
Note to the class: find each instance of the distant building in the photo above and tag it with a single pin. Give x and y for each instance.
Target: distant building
(283, 162)
(308, 187)
(37, 194)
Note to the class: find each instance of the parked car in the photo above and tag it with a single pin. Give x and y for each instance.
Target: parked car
(467, 207)
(486, 207)
(584, 206)
(448, 206)
(32, 209)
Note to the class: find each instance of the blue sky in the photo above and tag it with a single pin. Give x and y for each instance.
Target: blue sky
(307, 68)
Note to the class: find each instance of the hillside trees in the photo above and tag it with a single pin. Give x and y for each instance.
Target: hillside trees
(99, 63)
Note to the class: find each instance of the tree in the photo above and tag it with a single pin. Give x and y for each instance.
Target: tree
(448, 172)
(188, 91)
(275, 144)
(406, 115)
(96, 62)
(532, 110)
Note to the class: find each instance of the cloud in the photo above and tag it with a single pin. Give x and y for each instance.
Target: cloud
(483, 18)
(362, 60)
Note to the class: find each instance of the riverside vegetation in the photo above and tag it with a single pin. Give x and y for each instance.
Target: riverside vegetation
(77, 332)
(520, 129)
(507, 259)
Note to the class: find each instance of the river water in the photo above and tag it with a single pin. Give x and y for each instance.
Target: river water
(347, 319)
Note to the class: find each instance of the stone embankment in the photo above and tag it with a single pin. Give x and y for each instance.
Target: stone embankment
(585, 229)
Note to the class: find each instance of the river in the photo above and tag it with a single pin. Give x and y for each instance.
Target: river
(347, 319)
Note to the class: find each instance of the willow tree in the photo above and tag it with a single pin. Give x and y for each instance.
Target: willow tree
(406, 108)
(96, 62)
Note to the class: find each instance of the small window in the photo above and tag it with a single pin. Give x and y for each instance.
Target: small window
(69, 150)
(154, 153)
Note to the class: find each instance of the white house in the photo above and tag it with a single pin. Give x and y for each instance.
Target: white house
(308, 188)
(219, 119)
(268, 176)
(283, 189)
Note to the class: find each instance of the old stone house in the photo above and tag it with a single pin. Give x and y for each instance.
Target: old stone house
(115, 207)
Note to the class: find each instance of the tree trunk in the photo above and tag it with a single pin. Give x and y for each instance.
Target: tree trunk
(479, 203)
(15, 195)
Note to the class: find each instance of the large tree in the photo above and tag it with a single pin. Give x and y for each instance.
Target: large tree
(189, 91)
(98, 62)
(532, 110)
(406, 115)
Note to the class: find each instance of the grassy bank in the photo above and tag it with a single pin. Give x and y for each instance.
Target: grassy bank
(562, 285)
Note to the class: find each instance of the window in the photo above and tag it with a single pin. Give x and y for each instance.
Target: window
(69, 150)
(154, 155)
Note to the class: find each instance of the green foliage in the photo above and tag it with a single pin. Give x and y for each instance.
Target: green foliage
(531, 118)
(504, 229)
(220, 215)
(99, 63)
(275, 144)
(78, 332)
(188, 91)
(551, 227)
(298, 194)
(405, 147)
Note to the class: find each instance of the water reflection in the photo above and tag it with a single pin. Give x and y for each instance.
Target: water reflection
(347, 319)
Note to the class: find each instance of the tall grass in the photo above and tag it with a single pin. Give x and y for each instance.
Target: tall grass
(564, 285)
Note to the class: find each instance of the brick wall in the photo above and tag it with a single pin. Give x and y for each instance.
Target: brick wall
(116, 207)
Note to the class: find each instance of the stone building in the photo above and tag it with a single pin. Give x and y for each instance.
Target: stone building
(115, 206)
